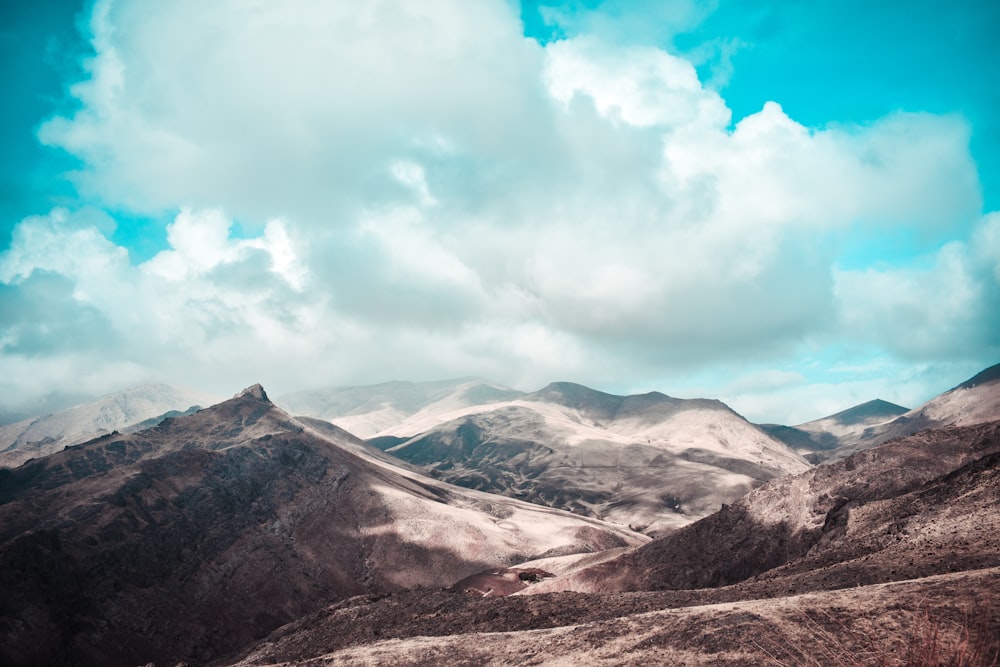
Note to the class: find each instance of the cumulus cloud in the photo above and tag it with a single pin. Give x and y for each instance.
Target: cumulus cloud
(944, 305)
(430, 193)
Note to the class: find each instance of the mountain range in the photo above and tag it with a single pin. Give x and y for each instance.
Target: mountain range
(240, 534)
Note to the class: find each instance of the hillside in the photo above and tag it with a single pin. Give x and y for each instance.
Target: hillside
(843, 428)
(923, 495)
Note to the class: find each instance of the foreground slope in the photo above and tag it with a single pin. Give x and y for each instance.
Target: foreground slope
(197, 536)
(45, 434)
(648, 461)
(900, 623)
(903, 563)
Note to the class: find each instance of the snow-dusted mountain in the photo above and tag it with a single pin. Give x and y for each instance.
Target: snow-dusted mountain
(43, 435)
(648, 461)
(371, 410)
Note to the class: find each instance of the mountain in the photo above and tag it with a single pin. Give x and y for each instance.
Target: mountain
(369, 410)
(890, 556)
(843, 428)
(193, 538)
(43, 435)
(650, 461)
(975, 401)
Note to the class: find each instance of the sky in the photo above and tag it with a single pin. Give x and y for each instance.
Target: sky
(790, 206)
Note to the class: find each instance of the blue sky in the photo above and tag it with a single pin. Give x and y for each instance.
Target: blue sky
(785, 205)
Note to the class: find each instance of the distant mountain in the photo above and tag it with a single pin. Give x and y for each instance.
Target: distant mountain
(648, 461)
(190, 539)
(144, 404)
(368, 411)
(53, 401)
(975, 401)
(843, 428)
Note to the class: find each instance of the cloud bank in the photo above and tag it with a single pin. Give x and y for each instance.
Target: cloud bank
(421, 191)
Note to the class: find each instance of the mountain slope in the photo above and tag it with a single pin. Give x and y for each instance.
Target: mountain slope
(649, 461)
(898, 623)
(188, 540)
(43, 435)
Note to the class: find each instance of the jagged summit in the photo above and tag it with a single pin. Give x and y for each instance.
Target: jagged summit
(254, 391)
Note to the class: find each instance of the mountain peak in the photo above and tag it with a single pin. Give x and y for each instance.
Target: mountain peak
(868, 411)
(255, 391)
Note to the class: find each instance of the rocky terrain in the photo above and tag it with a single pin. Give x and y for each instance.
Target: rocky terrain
(131, 409)
(193, 538)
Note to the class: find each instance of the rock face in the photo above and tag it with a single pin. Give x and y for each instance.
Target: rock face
(649, 461)
(120, 411)
(193, 538)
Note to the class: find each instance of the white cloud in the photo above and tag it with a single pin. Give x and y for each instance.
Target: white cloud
(946, 305)
(430, 193)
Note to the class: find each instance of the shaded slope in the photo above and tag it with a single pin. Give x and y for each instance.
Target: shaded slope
(192, 538)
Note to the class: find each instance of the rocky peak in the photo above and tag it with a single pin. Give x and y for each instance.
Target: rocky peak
(256, 391)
